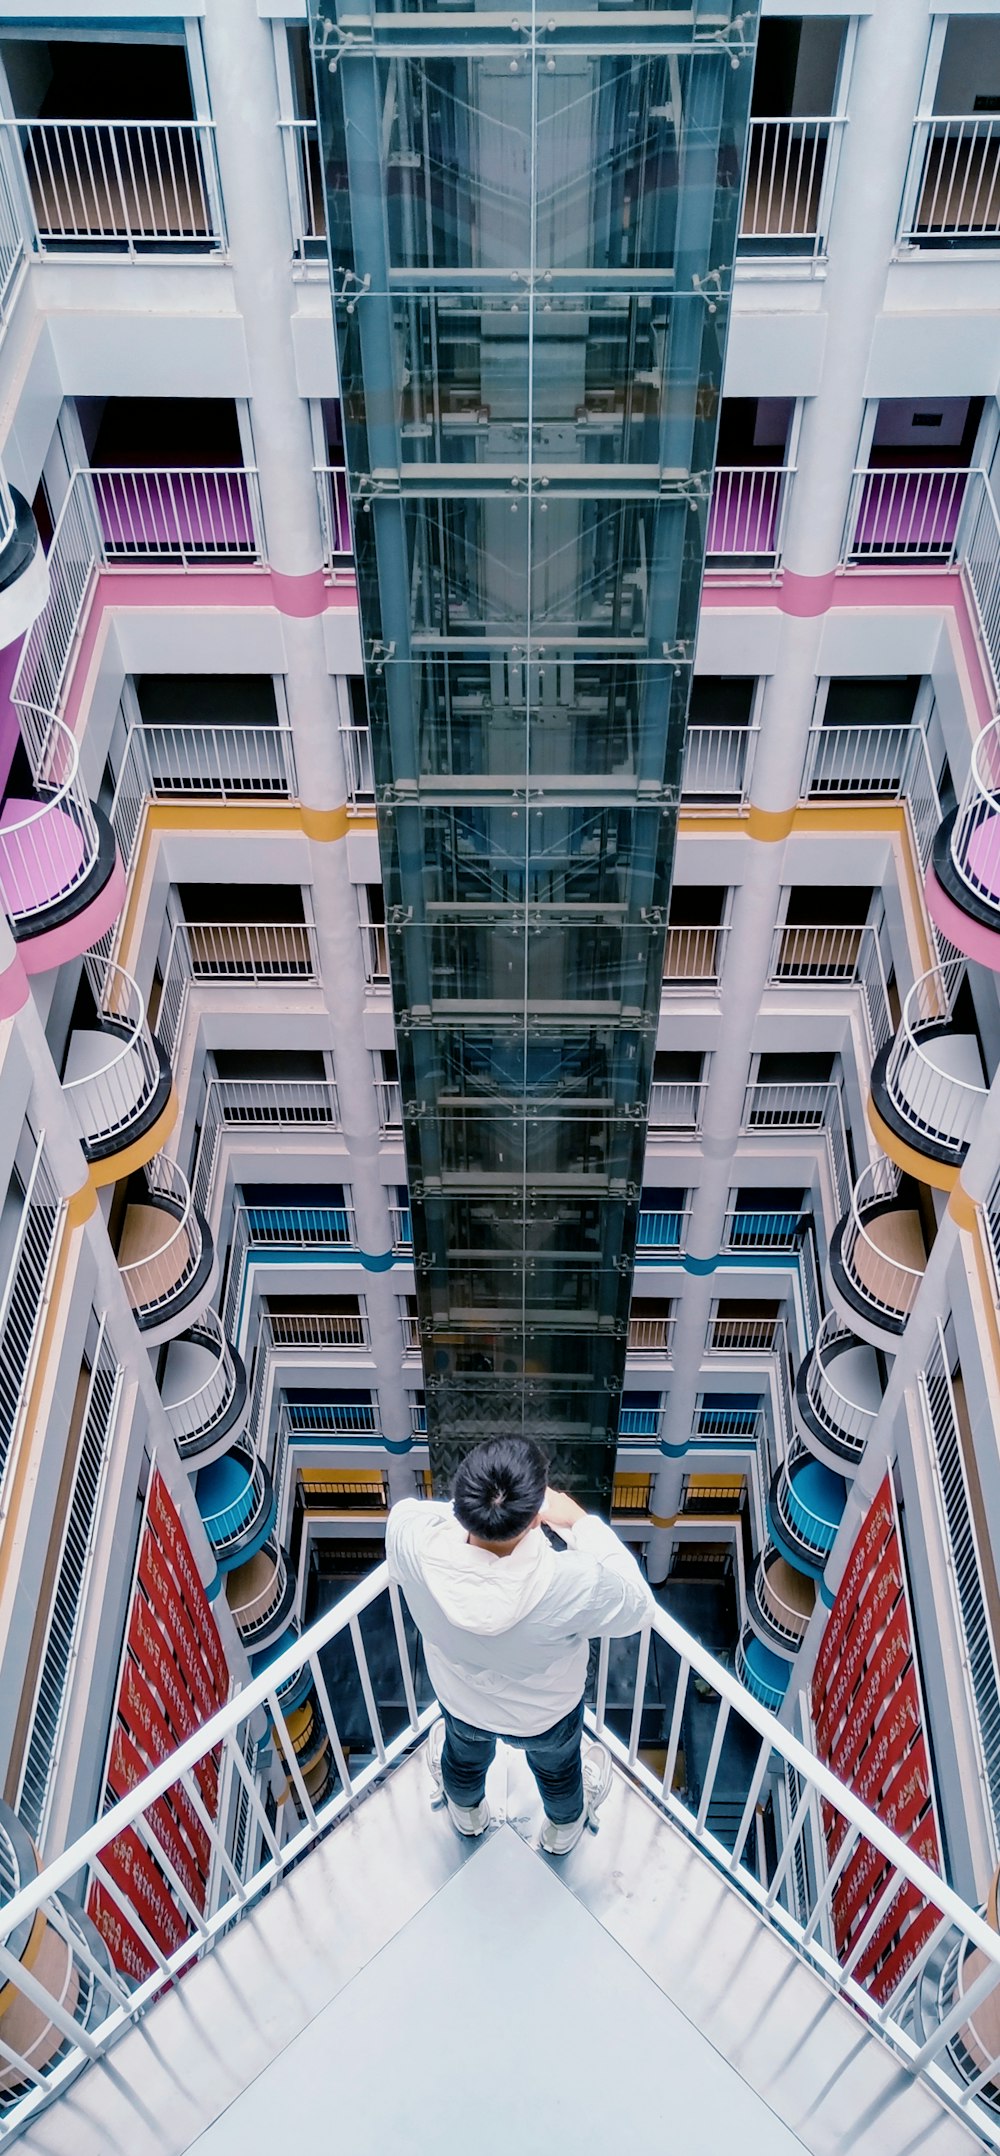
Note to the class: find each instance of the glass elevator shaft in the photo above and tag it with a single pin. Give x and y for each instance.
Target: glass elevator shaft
(532, 222)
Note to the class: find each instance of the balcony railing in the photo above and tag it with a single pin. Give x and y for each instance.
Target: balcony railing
(631, 1496)
(779, 1880)
(744, 1336)
(676, 1107)
(139, 187)
(787, 193)
(23, 1299)
(884, 1281)
(201, 1409)
(718, 763)
(189, 516)
(258, 1104)
(108, 1102)
(849, 1421)
(154, 1281)
(651, 1336)
(49, 843)
(734, 1421)
(639, 1423)
(747, 515)
(905, 514)
(662, 1231)
(334, 515)
(965, 1567)
(324, 1418)
(257, 951)
(693, 958)
(72, 560)
(298, 1227)
(788, 1106)
(814, 952)
(182, 763)
(359, 771)
(16, 228)
(314, 1331)
(389, 1096)
(937, 1105)
(410, 1328)
(375, 951)
(856, 761)
(953, 189)
(981, 564)
(401, 1227)
(306, 193)
(745, 1229)
(809, 1515)
(62, 1627)
(975, 837)
(228, 1525)
(252, 1611)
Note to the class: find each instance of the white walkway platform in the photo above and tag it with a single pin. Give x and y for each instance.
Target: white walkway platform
(406, 1989)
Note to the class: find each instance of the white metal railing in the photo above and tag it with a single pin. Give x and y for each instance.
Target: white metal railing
(389, 1096)
(230, 1523)
(677, 1107)
(182, 762)
(76, 1551)
(144, 186)
(936, 1105)
(883, 1280)
(313, 1330)
(693, 957)
(334, 514)
(24, 1295)
(257, 1104)
(790, 1623)
(107, 1103)
(953, 187)
(975, 837)
(359, 770)
(905, 513)
(410, 1328)
(981, 564)
(849, 1422)
(814, 952)
(788, 1106)
(787, 193)
(787, 1877)
(812, 1531)
(192, 514)
(651, 1336)
(51, 642)
(745, 1335)
(15, 228)
(259, 1228)
(252, 1616)
(662, 1230)
(401, 1227)
(257, 951)
(964, 1563)
(153, 1281)
(718, 762)
(306, 192)
(49, 846)
(200, 1410)
(772, 1228)
(375, 951)
(856, 761)
(737, 1420)
(746, 517)
(319, 1418)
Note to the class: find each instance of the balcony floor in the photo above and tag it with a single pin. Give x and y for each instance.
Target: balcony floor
(421, 1991)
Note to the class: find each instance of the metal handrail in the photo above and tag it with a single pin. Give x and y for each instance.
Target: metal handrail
(787, 191)
(198, 1410)
(36, 869)
(103, 1101)
(905, 512)
(818, 1543)
(233, 1520)
(252, 1616)
(947, 1108)
(956, 194)
(876, 1183)
(165, 1180)
(117, 183)
(772, 1602)
(848, 1421)
(186, 513)
(979, 813)
(800, 1917)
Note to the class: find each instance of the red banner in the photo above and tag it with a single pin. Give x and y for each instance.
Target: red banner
(868, 1720)
(174, 1677)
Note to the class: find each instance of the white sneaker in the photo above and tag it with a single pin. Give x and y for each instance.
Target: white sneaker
(469, 1819)
(557, 1841)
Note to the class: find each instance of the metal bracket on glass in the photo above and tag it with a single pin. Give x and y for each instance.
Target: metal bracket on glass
(378, 656)
(351, 287)
(333, 39)
(710, 287)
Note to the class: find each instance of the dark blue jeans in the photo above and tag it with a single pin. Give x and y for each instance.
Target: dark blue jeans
(553, 1756)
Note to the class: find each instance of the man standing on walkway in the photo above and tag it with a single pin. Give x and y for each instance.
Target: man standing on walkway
(506, 1622)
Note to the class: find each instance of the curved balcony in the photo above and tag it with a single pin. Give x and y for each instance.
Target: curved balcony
(309, 1739)
(780, 1602)
(765, 1675)
(235, 1498)
(963, 887)
(838, 1393)
(877, 1257)
(975, 2045)
(165, 1257)
(57, 851)
(65, 1954)
(117, 1078)
(299, 1684)
(805, 1506)
(203, 1387)
(261, 1596)
(928, 1085)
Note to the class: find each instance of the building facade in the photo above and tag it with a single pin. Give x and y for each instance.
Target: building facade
(207, 1259)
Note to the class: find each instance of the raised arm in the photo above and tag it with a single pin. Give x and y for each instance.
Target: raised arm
(622, 1600)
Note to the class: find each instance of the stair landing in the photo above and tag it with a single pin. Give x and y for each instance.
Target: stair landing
(405, 1988)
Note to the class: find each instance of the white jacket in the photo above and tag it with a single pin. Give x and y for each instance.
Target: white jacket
(506, 1638)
